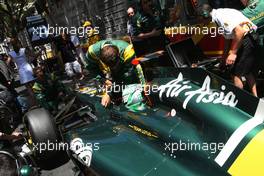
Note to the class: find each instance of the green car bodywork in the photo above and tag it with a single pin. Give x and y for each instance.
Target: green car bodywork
(195, 116)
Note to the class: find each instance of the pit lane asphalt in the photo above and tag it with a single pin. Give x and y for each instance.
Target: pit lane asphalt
(64, 170)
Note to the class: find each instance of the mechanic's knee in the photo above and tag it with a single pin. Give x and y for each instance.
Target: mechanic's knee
(70, 74)
(238, 82)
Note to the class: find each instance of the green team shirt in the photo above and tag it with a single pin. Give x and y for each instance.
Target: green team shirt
(126, 53)
(144, 23)
(255, 12)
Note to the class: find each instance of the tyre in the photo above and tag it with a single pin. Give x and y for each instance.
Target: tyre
(6, 119)
(45, 137)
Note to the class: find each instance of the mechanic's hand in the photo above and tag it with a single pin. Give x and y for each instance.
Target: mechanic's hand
(230, 60)
(108, 83)
(17, 134)
(14, 135)
(194, 65)
(140, 35)
(106, 100)
(60, 94)
(147, 88)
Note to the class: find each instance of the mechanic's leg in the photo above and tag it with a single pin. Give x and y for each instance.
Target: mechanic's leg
(78, 70)
(69, 70)
(238, 82)
(252, 84)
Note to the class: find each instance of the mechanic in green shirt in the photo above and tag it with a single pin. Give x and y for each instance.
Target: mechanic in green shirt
(47, 89)
(148, 21)
(112, 59)
(254, 10)
(148, 29)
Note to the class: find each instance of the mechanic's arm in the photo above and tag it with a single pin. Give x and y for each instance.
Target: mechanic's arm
(14, 135)
(111, 95)
(239, 34)
(106, 100)
(9, 60)
(153, 33)
(227, 46)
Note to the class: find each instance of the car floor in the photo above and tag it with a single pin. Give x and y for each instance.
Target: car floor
(67, 169)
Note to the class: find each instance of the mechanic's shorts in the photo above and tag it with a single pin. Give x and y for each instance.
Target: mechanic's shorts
(246, 57)
(73, 67)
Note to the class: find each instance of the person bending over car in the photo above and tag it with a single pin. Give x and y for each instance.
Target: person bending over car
(112, 60)
(47, 89)
(238, 29)
(148, 21)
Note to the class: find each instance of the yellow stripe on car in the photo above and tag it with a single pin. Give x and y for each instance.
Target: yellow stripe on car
(251, 159)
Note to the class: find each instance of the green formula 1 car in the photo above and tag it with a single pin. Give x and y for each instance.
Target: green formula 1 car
(192, 123)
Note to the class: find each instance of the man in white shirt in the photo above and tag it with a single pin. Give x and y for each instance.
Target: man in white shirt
(237, 29)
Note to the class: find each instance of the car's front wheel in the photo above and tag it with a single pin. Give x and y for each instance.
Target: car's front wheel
(45, 137)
